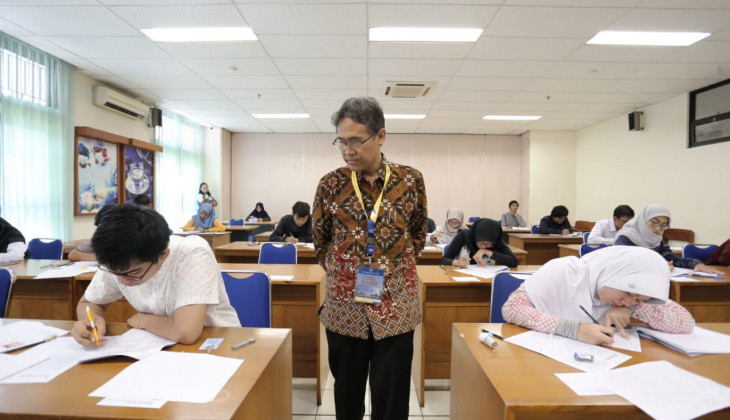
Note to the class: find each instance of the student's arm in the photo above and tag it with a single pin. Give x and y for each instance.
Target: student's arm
(76, 255)
(454, 248)
(81, 331)
(184, 326)
(670, 317)
(278, 234)
(596, 235)
(505, 222)
(623, 240)
(503, 255)
(217, 226)
(521, 220)
(190, 226)
(566, 225)
(15, 252)
(545, 228)
(265, 217)
(306, 235)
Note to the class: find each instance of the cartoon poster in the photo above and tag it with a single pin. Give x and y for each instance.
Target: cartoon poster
(96, 174)
(138, 173)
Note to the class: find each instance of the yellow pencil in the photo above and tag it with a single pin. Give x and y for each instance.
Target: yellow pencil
(93, 325)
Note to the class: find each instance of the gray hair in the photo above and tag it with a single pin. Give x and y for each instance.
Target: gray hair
(362, 110)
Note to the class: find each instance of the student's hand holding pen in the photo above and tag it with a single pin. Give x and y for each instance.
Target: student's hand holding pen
(595, 334)
(462, 262)
(620, 317)
(83, 333)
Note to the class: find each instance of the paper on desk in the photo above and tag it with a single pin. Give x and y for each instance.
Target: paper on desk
(111, 402)
(171, 376)
(281, 277)
(22, 333)
(563, 349)
(72, 270)
(11, 364)
(632, 343)
(465, 279)
(699, 341)
(584, 384)
(487, 272)
(682, 278)
(666, 392)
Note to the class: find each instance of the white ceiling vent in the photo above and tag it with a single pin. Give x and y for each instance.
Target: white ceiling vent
(119, 103)
(408, 89)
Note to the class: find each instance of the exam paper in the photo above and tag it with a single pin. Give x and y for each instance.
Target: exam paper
(666, 392)
(487, 272)
(699, 341)
(282, 277)
(71, 270)
(584, 384)
(11, 363)
(563, 349)
(465, 279)
(171, 376)
(22, 333)
(632, 343)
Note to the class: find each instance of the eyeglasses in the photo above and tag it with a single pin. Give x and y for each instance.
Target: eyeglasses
(127, 275)
(353, 144)
(657, 224)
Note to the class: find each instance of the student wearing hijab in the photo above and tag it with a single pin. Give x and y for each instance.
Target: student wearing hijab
(259, 213)
(12, 243)
(483, 240)
(453, 224)
(204, 221)
(646, 231)
(610, 285)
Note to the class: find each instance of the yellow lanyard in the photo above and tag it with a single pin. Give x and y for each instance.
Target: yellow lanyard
(376, 207)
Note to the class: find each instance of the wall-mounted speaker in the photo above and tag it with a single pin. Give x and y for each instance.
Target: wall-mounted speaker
(636, 121)
(155, 117)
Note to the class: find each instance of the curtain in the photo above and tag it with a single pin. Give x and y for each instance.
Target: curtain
(36, 140)
(178, 170)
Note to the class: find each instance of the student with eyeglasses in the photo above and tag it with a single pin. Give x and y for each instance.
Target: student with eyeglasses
(174, 283)
(604, 231)
(646, 231)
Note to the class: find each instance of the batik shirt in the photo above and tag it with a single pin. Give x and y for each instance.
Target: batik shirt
(340, 240)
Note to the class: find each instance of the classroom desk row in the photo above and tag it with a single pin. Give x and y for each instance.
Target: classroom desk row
(261, 388)
(517, 384)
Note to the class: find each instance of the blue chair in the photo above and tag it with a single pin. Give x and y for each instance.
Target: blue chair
(535, 229)
(276, 254)
(235, 222)
(250, 295)
(698, 252)
(585, 237)
(474, 219)
(7, 278)
(499, 222)
(446, 248)
(45, 249)
(502, 286)
(586, 248)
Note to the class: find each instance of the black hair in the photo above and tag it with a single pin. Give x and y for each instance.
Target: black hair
(200, 189)
(623, 211)
(129, 234)
(363, 110)
(142, 200)
(100, 214)
(513, 202)
(559, 211)
(300, 208)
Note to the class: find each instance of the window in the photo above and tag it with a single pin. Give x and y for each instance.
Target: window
(709, 114)
(23, 79)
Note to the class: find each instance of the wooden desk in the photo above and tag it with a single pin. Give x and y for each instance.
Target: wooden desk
(708, 300)
(69, 246)
(240, 233)
(40, 298)
(541, 248)
(261, 388)
(515, 383)
(264, 236)
(214, 239)
(568, 250)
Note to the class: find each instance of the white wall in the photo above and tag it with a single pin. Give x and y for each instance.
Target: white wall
(617, 166)
(480, 174)
(552, 172)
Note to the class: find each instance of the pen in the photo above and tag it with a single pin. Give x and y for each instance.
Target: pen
(45, 340)
(243, 343)
(494, 334)
(93, 325)
(588, 313)
(57, 265)
(449, 271)
(47, 265)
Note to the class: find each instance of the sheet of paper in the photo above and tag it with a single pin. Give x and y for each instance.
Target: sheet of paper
(465, 279)
(584, 384)
(666, 392)
(563, 349)
(111, 402)
(22, 333)
(71, 270)
(281, 277)
(11, 364)
(171, 376)
(683, 278)
(487, 272)
(699, 341)
(633, 343)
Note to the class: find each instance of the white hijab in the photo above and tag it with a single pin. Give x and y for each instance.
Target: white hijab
(449, 232)
(563, 285)
(637, 230)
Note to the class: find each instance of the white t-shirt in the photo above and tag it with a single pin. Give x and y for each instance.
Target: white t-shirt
(603, 232)
(190, 275)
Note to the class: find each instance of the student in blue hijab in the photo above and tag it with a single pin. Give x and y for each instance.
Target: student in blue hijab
(204, 221)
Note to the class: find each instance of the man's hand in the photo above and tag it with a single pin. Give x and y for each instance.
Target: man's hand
(82, 333)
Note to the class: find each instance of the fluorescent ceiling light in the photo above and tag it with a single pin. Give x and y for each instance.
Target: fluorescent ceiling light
(200, 34)
(512, 117)
(425, 34)
(675, 39)
(279, 116)
(405, 116)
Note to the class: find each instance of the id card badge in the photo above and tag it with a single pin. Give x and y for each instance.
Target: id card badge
(369, 285)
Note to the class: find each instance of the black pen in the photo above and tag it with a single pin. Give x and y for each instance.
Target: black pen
(589, 314)
(494, 334)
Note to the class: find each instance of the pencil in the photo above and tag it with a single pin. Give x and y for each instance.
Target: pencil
(589, 314)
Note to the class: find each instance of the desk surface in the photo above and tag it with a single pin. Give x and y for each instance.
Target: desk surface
(260, 388)
(515, 383)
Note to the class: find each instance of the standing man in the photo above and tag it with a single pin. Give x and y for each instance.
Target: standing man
(369, 228)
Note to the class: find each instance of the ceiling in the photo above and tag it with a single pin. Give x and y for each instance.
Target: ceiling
(311, 55)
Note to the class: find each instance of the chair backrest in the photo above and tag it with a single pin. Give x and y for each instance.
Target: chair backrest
(585, 237)
(474, 219)
(583, 226)
(250, 295)
(502, 286)
(500, 222)
(684, 235)
(7, 278)
(277, 254)
(586, 248)
(45, 249)
(535, 229)
(235, 222)
(446, 248)
(698, 251)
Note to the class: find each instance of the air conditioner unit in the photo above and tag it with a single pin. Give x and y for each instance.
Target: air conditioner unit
(407, 89)
(119, 103)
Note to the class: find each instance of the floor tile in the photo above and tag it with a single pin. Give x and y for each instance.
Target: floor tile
(295, 417)
(328, 403)
(304, 383)
(304, 401)
(438, 403)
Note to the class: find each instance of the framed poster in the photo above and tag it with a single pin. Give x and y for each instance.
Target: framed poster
(96, 174)
(139, 171)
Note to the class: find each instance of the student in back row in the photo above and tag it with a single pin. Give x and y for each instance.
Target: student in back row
(295, 227)
(604, 231)
(511, 218)
(204, 221)
(485, 246)
(556, 223)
